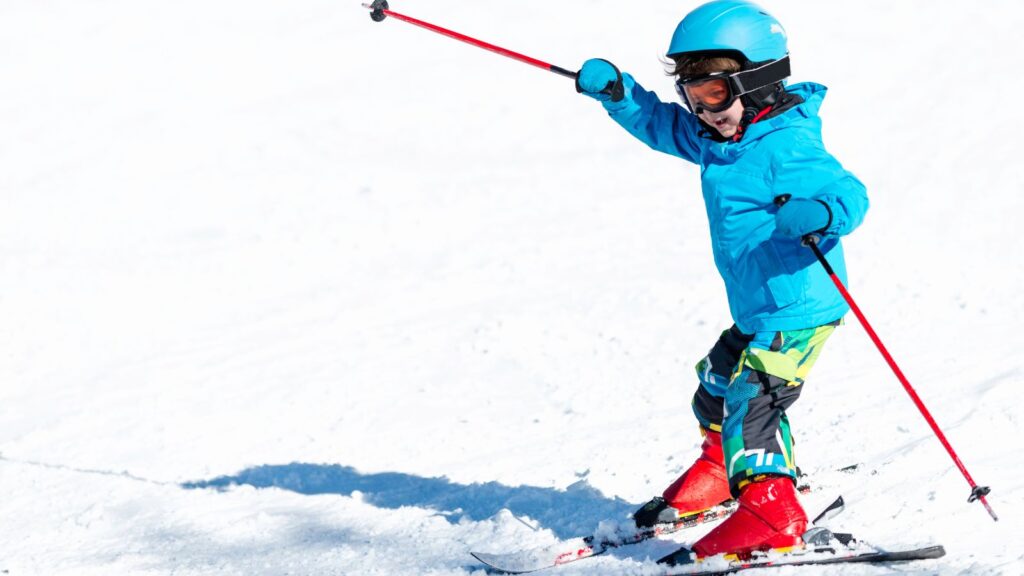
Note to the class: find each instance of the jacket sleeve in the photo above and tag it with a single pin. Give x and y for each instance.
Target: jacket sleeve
(806, 170)
(667, 128)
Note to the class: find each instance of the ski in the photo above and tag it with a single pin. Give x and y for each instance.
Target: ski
(820, 546)
(601, 541)
(813, 555)
(608, 537)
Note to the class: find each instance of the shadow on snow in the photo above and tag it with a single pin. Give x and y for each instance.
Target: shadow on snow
(570, 512)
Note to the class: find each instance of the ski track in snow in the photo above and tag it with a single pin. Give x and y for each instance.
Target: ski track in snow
(285, 291)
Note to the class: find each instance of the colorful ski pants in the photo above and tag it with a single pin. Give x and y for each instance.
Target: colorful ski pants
(747, 382)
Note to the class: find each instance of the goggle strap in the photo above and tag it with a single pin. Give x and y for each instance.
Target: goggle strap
(750, 80)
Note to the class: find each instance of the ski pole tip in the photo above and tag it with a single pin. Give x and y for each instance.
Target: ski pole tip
(988, 508)
(979, 493)
(990, 511)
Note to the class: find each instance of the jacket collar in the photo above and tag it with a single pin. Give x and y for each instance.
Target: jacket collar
(812, 94)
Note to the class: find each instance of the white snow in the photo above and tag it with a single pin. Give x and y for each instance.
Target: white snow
(286, 291)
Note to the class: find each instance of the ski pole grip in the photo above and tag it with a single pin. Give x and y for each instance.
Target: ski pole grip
(809, 239)
(614, 88)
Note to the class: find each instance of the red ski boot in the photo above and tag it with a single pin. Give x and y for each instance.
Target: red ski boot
(769, 517)
(702, 486)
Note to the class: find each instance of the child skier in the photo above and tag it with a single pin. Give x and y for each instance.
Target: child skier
(758, 143)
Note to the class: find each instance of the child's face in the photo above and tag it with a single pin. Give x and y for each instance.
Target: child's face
(727, 121)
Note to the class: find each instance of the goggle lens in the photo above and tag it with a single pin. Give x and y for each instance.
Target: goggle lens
(711, 94)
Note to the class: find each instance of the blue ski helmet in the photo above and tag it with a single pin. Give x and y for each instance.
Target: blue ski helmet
(733, 25)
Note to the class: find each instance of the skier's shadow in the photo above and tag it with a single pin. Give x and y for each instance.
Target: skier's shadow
(570, 512)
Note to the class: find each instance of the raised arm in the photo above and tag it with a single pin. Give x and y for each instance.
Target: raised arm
(667, 128)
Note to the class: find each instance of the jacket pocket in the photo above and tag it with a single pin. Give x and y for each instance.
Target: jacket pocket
(780, 282)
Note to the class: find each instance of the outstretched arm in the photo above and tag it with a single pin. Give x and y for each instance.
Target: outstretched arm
(667, 128)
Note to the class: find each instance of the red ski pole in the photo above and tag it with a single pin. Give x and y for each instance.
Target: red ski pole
(977, 492)
(380, 10)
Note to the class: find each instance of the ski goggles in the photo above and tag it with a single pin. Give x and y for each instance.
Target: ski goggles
(717, 91)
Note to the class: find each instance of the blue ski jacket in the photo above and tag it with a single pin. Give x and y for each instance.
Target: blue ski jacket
(773, 283)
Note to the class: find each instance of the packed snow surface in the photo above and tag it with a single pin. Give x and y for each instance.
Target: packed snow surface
(287, 291)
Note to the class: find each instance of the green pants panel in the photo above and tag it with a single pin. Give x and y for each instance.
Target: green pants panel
(750, 406)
